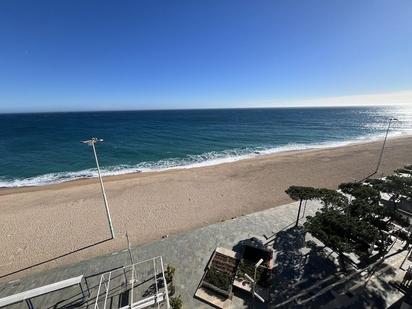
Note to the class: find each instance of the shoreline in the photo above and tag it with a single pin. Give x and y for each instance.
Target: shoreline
(110, 178)
(42, 223)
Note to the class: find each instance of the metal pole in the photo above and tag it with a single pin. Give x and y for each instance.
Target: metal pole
(129, 249)
(166, 290)
(254, 287)
(297, 219)
(103, 191)
(381, 152)
(406, 257)
(384, 142)
(254, 281)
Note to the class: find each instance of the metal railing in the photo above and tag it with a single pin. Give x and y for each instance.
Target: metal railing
(144, 276)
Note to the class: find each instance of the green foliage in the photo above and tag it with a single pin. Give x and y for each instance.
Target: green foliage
(399, 188)
(327, 196)
(394, 185)
(169, 273)
(332, 198)
(262, 273)
(356, 225)
(301, 193)
(365, 210)
(341, 232)
(176, 302)
(218, 279)
(396, 217)
(361, 191)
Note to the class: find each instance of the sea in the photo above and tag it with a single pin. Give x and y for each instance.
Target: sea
(45, 148)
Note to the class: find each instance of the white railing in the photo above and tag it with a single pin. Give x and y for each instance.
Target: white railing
(137, 275)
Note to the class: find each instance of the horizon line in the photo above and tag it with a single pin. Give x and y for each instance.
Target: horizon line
(394, 98)
(201, 108)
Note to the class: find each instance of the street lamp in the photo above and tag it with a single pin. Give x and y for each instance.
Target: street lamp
(384, 142)
(381, 152)
(92, 143)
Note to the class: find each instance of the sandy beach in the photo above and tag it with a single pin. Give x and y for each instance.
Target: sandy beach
(38, 224)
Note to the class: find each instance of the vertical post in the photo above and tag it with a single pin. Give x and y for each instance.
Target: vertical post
(254, 287)
(383, 145)
(103, 191)
(254, 281)
(129, 249)
(107, 287)
(165, 283)
(155, 278)
(297, 219)
(406, 257)
(381, 152)
(96, 305)
(29, 304)
(132, 290)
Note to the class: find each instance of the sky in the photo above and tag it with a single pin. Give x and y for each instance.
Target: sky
(162, 54)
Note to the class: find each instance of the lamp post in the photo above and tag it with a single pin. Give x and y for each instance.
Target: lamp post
(381, 152)
(384, 142)
(92, 143)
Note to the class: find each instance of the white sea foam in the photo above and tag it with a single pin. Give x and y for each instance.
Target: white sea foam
(191, 161)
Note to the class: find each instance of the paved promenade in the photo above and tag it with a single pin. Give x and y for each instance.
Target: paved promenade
(304, 277)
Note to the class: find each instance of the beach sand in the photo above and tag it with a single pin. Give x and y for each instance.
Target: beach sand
(38, 224)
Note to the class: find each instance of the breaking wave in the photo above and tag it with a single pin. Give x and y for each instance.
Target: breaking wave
(190, 161)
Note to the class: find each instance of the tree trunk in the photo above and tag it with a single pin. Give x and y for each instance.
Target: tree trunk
(393, 198)
(297, 219)
(342, 262)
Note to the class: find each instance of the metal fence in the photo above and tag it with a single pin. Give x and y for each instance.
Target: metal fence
(140, 285)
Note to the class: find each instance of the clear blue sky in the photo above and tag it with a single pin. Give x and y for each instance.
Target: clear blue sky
(88, 55)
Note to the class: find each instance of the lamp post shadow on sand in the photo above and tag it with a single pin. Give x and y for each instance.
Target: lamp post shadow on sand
(55, 258)
(92, 143)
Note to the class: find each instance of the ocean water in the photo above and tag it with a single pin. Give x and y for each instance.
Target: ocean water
(38, 149)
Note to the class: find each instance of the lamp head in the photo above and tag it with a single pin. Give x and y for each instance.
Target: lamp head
(92, 141)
